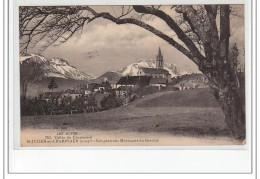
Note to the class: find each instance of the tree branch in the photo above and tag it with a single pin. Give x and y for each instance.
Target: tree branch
(67, 23)
(204, 29)
(224, 31)
(70, 20)
(173, 25)
(212, 13)
(189, 54)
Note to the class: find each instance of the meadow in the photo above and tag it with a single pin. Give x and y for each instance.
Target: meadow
(183, 113)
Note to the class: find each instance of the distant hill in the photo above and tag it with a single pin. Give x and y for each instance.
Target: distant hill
(110, 76)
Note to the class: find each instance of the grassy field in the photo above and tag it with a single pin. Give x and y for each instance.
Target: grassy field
(201, 98)
(189, 113)
(177, 121)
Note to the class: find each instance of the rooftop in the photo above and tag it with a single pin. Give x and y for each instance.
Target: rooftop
(155, 71)
(134, 80)
(158, 81)
(91, 86)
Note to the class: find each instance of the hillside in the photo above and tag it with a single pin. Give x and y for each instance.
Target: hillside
(167, 116)
(192, 98)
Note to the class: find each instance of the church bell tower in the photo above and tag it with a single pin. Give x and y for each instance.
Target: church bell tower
(159, 59)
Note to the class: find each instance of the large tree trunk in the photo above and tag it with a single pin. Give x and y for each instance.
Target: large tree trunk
(233, 110)
(24, 89)
(225, 89)
(224, 80)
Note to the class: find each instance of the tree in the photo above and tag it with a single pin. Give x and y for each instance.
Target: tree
(233, 56)
(52, 85)
(109, 102)
(199, 38)
(29, 73)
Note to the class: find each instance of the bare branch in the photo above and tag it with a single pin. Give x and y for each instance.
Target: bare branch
(66, 20)
(173, 25)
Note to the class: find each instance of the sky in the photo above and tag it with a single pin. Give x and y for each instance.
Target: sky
(104, 46)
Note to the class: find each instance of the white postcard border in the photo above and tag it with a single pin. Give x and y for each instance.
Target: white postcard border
(53, 153)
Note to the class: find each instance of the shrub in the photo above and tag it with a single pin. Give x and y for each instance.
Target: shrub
(110, 102)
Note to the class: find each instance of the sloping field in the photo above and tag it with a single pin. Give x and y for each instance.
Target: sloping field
(191, 98)
(165, 115)
(178, 121)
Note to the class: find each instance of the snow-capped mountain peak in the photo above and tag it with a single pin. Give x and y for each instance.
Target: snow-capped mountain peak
(133, 68)
(145, 63)
(59, 61)
(55, 67)
(34, 58)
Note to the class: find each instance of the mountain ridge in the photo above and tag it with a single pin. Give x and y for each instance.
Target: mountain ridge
(133, 68)
(60, 68)
(55, 67)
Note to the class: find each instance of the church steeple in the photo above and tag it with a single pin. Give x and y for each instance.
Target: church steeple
(159, 59)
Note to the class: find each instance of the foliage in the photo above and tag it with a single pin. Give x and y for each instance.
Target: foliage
(110, 102)
(233, 56)
(52, 85)
(58, 105)
(29, 73)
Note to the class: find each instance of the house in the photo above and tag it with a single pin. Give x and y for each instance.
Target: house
(90, 88)
(186, 85)
(159, 82)
(133, 81)
(155, 73)
(51, 96)
(57, 97)
(103, 87)
(122, 91)
(74, 95)
(113, 85)
(189, 81)
(159, 71)
(112, 82)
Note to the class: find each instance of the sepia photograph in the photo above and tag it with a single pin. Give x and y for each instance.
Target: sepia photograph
(132, 75)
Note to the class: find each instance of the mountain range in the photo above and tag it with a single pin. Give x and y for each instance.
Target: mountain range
(133, 68)
(55, 67)
(39, 71)
(60, 68)
(68, 77)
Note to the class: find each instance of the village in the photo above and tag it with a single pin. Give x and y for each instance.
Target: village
(94, 97)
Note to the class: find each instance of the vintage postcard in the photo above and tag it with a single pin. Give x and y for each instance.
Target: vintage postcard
(139, 75)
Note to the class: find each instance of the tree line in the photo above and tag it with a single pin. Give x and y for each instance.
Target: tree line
(66, 105)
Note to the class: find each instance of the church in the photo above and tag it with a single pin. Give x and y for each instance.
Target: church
(159, 71)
